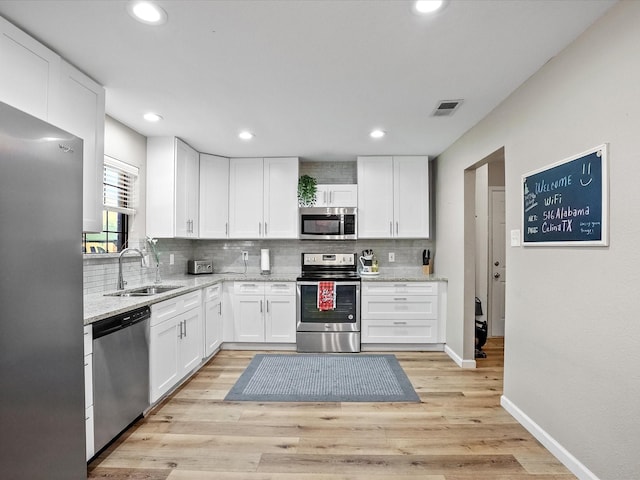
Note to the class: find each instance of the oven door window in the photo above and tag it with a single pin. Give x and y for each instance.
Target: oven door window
(320, 225)
(345, 310)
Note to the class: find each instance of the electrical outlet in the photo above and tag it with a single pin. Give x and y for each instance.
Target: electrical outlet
(172, 259)
(245, 255)
(392, 257)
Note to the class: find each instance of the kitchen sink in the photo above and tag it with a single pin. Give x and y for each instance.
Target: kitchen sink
(143, 291)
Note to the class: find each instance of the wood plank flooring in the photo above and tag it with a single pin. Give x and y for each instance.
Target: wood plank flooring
(457, 432)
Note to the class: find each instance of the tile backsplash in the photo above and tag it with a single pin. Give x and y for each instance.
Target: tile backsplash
(101, 271)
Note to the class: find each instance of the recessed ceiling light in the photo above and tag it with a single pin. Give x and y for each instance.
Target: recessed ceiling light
(147, 12)
(152, 117)
(428, 6)
(245, 135)
(377, 133)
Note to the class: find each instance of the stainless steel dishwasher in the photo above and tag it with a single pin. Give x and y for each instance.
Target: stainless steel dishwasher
(120, 373)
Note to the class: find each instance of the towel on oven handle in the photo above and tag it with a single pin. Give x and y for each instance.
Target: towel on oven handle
(326, 296)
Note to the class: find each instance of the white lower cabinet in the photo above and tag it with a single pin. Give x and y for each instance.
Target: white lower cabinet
(88, 390)
(175, 342)
(399, 312)
(264, 312)
(213, 319)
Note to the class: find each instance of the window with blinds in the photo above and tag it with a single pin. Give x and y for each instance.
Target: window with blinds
(120, 201)
(119, 186)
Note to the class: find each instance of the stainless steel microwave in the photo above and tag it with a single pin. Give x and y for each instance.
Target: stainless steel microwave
(328, 223)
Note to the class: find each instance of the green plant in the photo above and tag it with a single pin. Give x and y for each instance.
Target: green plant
(306, 191)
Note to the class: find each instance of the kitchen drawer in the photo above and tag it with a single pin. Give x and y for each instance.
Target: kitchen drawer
(400, 331)
(248, 288)
(400, 307)
(191, 300)
(280, 288)
(213, 292)
(162, 311)
(404, 288)
(88, 339)
(88, 380)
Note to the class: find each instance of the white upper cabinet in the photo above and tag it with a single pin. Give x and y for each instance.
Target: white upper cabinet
(37, 81)
(337, 195)
(263, 197)
(393, 197)
(280, 197)
(30, 72)
(214, 196)
(245, 197)
(172, 188)
(79, 109)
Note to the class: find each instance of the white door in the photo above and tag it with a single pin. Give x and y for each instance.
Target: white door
(280, 198)
(411, 197)
(281, 319)
(191, 341)
(497, 265)
(214, 196)
(375, 197)
(163, 358)
(213, 326)
(246, 197)
(187, 184)
(249, 318)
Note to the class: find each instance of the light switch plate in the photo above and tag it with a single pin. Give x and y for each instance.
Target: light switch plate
(515, 238)
(171, 259)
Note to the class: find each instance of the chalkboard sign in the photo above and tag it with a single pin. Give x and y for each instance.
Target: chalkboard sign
(567, 203)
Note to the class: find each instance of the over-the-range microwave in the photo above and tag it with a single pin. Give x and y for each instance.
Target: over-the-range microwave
(328, 223)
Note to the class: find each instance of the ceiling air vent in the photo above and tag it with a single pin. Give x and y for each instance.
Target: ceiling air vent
(446, 108)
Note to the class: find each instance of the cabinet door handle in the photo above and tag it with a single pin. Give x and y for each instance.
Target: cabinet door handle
(260, 229)
(260, 306)
(267, 306)
(391, 228)
(180, 330)
(185, 327)
(330, 197)
(265, 229)
(220, 309)
(226, 229)
(324, 197)
(396, 228)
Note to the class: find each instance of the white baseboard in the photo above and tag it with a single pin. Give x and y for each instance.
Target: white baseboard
(459, 361)
(550, 443)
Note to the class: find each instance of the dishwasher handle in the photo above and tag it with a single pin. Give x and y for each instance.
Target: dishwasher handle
(118, 322)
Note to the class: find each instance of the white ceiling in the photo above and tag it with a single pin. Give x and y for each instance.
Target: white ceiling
(309, 78)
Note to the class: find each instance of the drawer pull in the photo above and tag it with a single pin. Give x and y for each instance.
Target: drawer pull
(401, 299)
(399, 323)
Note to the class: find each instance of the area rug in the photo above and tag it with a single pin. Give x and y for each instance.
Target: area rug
(323, 378)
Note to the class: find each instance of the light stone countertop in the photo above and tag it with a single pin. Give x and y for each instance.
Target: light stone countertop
(98, 306)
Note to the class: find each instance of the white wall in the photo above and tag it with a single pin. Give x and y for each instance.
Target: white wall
(572, 357)
(127, 145)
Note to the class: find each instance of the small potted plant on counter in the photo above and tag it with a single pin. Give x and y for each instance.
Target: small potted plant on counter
(306, 191)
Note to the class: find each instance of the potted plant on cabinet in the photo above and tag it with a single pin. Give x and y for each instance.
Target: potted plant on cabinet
(306, 191)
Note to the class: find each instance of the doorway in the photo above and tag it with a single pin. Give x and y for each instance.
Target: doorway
(484, 278)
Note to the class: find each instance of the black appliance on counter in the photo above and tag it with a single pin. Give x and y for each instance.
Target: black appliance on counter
(329, 322)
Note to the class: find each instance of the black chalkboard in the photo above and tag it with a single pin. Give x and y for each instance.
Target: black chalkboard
(567, 203)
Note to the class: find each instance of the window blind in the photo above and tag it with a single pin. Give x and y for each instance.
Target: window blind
(119, 192)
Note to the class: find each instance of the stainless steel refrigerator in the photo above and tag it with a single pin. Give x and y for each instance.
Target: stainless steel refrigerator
(42, 425)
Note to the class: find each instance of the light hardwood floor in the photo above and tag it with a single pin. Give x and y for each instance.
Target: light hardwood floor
(457, 432)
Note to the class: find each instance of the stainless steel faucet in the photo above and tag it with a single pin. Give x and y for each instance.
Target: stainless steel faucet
(121, 282)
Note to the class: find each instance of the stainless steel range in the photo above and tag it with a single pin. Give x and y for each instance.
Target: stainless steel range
(328, 303)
